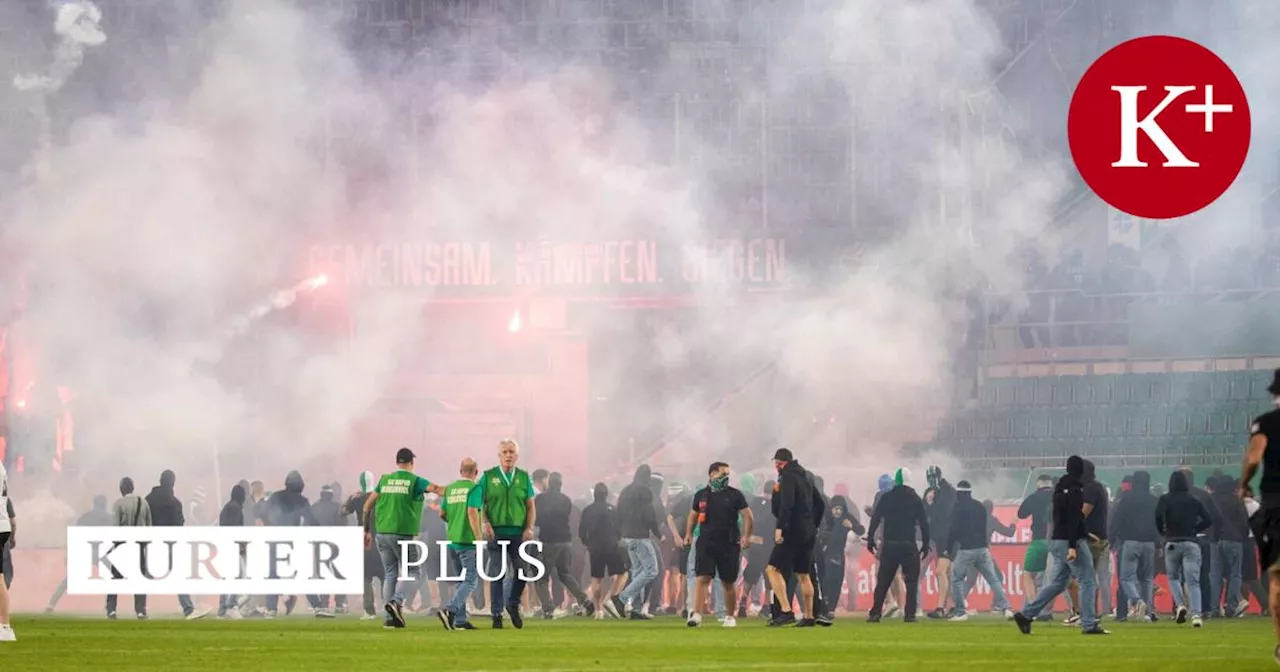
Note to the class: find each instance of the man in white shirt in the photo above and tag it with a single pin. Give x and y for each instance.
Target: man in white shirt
(7, 527)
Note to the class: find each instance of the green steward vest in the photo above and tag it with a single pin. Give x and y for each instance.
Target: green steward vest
(506, 503)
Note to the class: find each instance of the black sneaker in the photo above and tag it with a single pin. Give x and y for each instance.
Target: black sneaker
(785, 618)
(1095, 630)
(1024, 623)
(465, 625)
(290, 603)
(516, 619)
(742, 611)
(497, 622)
(873, 618)
(826, 619)
(637, 616)
(1152, 618)
(908, 619)
(1181, 615)
(937, 614)
(806, 623)
(619, 609)
(395, 613)
(446, 618)
(548, 615)
(590, 608)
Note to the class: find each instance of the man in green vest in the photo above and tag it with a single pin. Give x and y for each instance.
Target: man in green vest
(461, 513)
(509, 516)
(396, 504)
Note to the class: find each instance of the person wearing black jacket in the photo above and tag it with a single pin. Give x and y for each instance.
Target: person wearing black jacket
(1096, 516)
(373, 572)
(166, 511)
(1232, 532)
(797, 510)
(598, 530)
(994, 526)
(1134, 525)
(972, 541)
(232, 515)
(290, 508)
(328, 513)
(905, 521)
(835, 535)
(940, 507)
(1205, 538)
(639, 523)
(761, 543)
(554, 508)
(1181, 517)
(1069, 548)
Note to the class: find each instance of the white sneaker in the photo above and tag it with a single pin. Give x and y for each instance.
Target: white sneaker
(1241, 609)
(234, 614)
(1072, 620)
(1008, 614)
(695, 619)
(198, 613)
(890, 611)
(599, 615)
(1197, 623)
(729, 622)
(368, 617)
(754, 610)
(6, 634)
(958, 618)
(644, 611)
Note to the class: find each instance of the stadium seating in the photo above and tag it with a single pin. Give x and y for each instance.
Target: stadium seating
(1124, 420)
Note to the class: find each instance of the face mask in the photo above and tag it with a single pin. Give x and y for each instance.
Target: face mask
(720, 482)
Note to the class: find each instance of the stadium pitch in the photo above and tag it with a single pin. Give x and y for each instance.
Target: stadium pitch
(573, 645)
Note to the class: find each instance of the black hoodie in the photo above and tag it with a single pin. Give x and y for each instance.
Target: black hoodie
(166, 510)
(1233, 520)
(902, 511)
(796, 505)
(327, 511)
(233, 511)
(835, 534)
(598, 528)
(1068, 500)
(98, 516)
(1095, 493)
(1135, 514)
(1038, 506)
(1203, 497)
(554, 508)
(636, 516)
(968, 523)
(288, 507)
(1179, 515)
(941, 510)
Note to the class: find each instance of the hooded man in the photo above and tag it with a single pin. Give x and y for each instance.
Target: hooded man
(328, 513)
(598, 529)
(554, 509)
(232, 515)
(1134, 523)
(1205, 539)
(290, 508)
(373, 571)
(639, 524)
(906, 524)
(166, 511)
(835, 532)
(1232, 533)
(797, 509)
(1069, 549)
(940, 507)
(1038, 506)
(1096, 505)
(130, 510)
(1181, 517)
(969, 535)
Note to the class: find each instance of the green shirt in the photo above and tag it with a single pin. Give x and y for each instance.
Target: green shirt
(506, 499)
(398, 509)
(459, 498)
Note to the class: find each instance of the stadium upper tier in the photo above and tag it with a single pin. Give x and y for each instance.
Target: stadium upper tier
(1129, 420)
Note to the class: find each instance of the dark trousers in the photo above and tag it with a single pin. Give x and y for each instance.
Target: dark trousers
(139, 601)
(1122, 600)
(1206, 571)
(499, 589)
(894, 557)
(833, 581)
(373, 572)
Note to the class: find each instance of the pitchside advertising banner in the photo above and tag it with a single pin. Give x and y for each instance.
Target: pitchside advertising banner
(250, 560)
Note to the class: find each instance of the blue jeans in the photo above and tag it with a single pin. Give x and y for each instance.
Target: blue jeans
(394, 590)
(980, 559)
(717, 587)
(1182, 563)
(1138, 571)
(465, 560)
(644, 568)
(1062, 572)
(1229, 557)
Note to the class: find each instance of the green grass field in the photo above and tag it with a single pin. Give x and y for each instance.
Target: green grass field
(300, 643)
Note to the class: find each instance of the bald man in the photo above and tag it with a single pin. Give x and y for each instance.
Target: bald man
(460, 510)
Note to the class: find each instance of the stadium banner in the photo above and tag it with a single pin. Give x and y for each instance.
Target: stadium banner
(214, 560)
(622, 267)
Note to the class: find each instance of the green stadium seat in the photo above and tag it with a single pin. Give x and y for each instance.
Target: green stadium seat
(1139, 388)
(1102, 391)
(1198, 419)
(1201, 387)
(1001, 425)
(1158, 421)
(1038, 424)
(1122, 423)
(988, 394)
(1218, 420)
(1025, 392)
(981, 426)
(946, 430)
(1060, 423)
(1221, 391)
(1160, 389)
(1064, 391)
(1044, 390)
(1095, 423)
(964, 428)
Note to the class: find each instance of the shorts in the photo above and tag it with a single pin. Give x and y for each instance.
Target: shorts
(1035, 560)
(1100, 552)
(793, 557)
(606, 562)
(1266, 531)
(6, 560)
(718, 560)
(679, 560)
